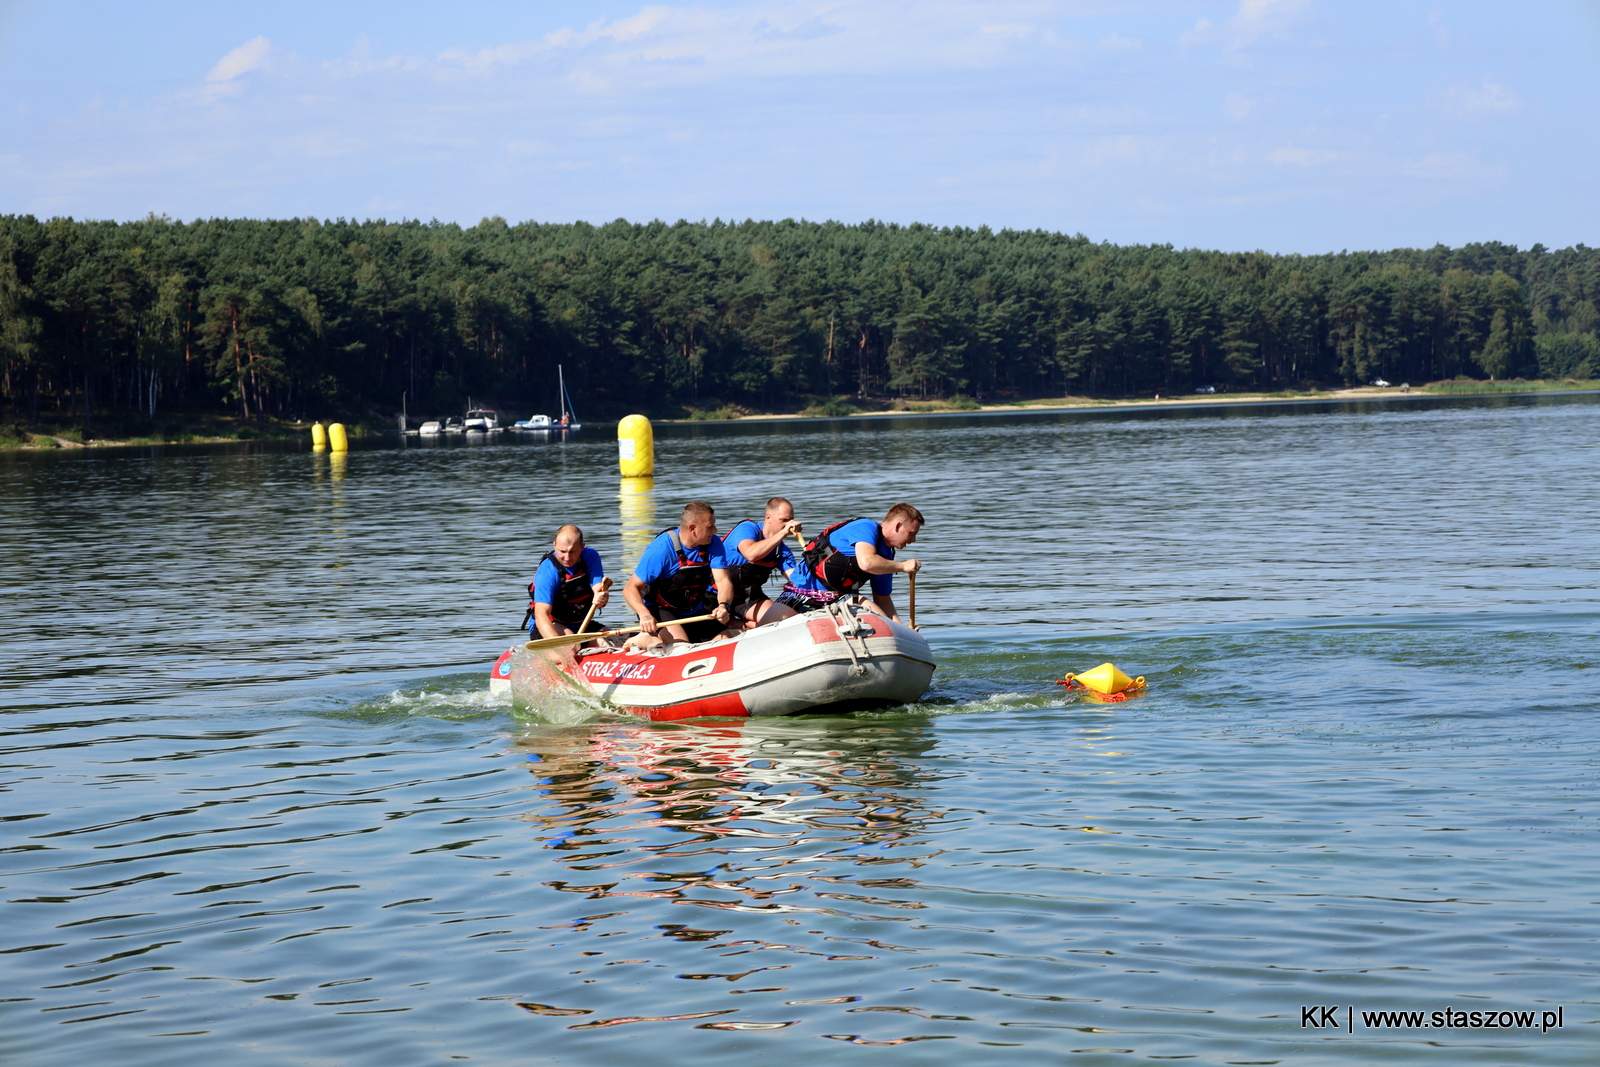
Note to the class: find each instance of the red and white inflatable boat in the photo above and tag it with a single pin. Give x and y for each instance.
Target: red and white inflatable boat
(839, 658)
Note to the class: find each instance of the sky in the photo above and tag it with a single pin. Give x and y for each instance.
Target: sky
(1285, 125)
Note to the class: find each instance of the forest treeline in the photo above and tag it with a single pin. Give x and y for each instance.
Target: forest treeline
(307, 317)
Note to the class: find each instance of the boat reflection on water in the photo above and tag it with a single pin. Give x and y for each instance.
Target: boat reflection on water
(767, 795)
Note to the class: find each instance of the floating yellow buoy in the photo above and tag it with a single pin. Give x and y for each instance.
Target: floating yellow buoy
(1105, 683)
(319, 437)
(636, 447)
(337, 441)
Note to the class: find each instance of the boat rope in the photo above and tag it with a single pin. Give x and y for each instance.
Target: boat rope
(836, 611)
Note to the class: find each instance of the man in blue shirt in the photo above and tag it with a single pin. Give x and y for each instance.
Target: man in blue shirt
(852, 557)
(569, 580)
(755, 550)
(683, 572)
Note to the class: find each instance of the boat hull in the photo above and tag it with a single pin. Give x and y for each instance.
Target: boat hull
(842, 658)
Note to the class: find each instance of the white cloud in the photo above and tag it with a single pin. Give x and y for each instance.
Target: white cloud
(1237, 107)
(1305, 157)
(1254, 20)
(1489, 97)
(1442, 165)
(252, 55)
(1115, 42)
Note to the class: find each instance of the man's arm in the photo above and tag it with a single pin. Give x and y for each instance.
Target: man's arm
(869, 560)
(548, 626)
(751, 549)
(724, 584)
(633, 594)
(886, 606)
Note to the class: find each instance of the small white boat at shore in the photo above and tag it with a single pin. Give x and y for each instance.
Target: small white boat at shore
(534, 424)
(482, 420)
(431, 428)
(839, 658)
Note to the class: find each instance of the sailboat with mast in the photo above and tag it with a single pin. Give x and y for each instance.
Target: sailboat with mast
(566, 422)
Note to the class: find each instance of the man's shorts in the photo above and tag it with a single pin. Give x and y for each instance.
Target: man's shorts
(744, 609)
(696, 631)
(804, 600)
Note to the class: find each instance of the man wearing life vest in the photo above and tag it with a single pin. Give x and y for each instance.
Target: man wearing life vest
(848, 559)
(755, 550)
(683, 572)
(569, 580)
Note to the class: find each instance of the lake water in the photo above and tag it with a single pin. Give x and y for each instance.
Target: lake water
(258, 807)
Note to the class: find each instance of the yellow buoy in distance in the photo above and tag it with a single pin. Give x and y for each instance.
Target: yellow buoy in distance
(319, 437)
(337, 440)
(636, 447)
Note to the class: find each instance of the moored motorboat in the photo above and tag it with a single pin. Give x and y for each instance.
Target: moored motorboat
(482, 420)
(534, 424)
(839, 658)
(431, 428)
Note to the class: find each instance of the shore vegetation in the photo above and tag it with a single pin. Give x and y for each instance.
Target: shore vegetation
(283, 321)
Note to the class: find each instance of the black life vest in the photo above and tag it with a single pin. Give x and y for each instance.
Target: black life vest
(572, 597)
(749, 576)
(690, 587)
(835, 569)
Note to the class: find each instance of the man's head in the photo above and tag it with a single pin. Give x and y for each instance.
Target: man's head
(568, 546)
(698, 525)
(901, 524)
(779, 513)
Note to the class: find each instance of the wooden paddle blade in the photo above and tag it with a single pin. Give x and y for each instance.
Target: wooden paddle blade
(568, 639)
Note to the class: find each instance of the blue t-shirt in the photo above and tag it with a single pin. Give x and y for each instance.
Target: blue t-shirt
(750, 530)
(660, 559)
(844, 539)
(548, 578)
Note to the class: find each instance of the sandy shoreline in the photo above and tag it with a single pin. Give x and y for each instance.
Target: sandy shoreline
(1069, 403)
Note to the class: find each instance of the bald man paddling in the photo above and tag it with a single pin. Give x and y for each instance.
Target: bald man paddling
(570, 580)
(683, 572)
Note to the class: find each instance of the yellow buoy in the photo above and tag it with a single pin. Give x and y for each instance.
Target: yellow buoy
(1105, 683)
(319, 437)
(636, 447)
(337, 441)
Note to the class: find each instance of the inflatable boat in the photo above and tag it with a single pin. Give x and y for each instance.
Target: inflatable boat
(839, 658)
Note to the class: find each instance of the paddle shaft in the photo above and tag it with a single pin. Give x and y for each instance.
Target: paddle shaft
(605, 587)
(578, 639)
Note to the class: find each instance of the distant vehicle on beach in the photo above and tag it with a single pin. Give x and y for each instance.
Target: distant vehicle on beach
(1379, 382)
(1206, 389)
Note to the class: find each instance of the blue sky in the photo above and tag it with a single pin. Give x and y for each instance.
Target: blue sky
(1288, 125)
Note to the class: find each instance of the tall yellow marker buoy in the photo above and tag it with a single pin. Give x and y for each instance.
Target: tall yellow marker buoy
(636, 447)
(337, 441)
(319, 437)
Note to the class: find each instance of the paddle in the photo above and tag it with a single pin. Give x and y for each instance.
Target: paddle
(605, 586)
(578, 639)
(911, 615)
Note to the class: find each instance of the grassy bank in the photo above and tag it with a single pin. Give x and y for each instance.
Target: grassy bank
(1472, 387)
(840, 407)
(178, 429)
